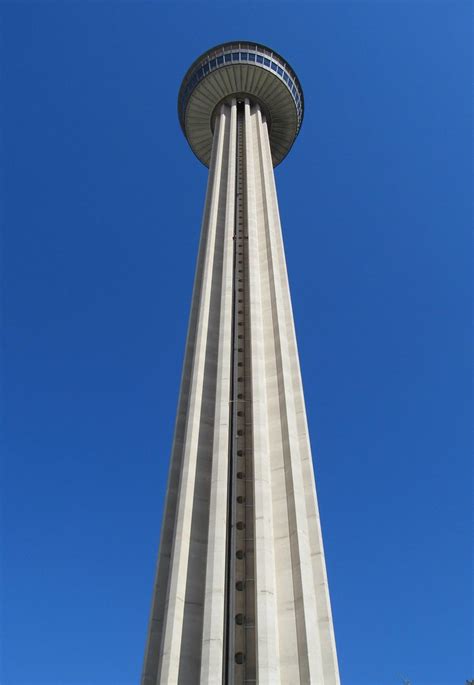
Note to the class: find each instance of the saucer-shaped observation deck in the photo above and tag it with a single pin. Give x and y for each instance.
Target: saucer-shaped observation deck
(241, 70)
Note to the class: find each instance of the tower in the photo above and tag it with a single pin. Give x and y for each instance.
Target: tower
(241, 593)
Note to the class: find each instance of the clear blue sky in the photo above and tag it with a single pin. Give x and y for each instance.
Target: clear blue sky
(101, 204)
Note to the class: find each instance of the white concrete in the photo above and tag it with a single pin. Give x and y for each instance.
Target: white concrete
(294, 630)
(268, 652)
(212, 641)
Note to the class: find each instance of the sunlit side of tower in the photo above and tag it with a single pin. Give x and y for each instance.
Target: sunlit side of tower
(241, 593)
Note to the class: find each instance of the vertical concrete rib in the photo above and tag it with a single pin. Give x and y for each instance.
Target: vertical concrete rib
(309, 648)
(193, 620)
(328, 653)
(213, 637)
(170, 658)
(268, 670)
(159, 605)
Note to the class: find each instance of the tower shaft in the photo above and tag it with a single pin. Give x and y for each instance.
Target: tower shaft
(241, 593)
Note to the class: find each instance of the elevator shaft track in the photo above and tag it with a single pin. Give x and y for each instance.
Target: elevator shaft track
(240, 658)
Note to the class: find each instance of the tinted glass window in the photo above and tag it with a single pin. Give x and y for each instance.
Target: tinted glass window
(228, 58)
(251, 57)
(280, 71)
(235, 56)
(266, 62)
(244, 55)
(260, 59)
(213, 63)
(274, 66)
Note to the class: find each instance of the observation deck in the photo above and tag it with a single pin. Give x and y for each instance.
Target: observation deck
(241, 70)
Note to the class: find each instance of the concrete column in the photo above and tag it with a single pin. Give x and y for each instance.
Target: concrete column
(304, 538)
(268, 661)
(159, 607)
(192, 610)
(325, 622)
(170, 660)
(213, 631)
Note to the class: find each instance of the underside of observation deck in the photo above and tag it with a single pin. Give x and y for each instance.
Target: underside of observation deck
(239, 70)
